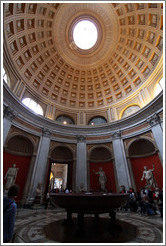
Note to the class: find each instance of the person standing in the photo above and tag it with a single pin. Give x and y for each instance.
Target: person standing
(9, 213)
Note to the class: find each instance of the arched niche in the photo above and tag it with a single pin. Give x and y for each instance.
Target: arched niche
(129, 110)
(20, 144)
(97, 120)
(142, 152)
(65, 119)
(19, 150)
(101, 157)
(141, 147)
(61, 153)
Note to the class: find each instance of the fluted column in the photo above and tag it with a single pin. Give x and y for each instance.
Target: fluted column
(81, 163)
(41, 162)
(156, 128)
(122, 171)
(9, 115)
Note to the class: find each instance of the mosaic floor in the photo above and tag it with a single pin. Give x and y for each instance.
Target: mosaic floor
(31, 224)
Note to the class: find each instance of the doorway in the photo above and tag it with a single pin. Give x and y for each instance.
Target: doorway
(58, 177)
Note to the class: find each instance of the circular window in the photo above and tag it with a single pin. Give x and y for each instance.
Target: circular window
(85, 34)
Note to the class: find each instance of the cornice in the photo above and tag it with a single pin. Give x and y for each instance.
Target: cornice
(155, 106)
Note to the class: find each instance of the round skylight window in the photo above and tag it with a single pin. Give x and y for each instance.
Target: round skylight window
(85, 34)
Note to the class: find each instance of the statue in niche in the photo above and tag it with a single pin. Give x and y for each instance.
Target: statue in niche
(149, 177)
(39, 194)
(102, 179)
(11, 176)
(82, 189)
(39, 190)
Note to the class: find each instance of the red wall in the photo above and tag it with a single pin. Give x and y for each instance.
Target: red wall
(94, 178)
(22, 162)
(138, 168)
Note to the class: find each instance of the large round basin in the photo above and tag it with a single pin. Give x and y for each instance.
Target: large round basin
(89, 202)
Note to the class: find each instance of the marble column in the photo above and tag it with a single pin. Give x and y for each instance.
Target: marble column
(74, 176)
(9, 115)
(121, 166)
(156, 129)
(81, 163)
(40, 167)
(25, 197)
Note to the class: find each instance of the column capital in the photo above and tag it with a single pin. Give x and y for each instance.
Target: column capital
(81, 138)
(116, 135)
(46, 132)
(153, 120)
(9, 113)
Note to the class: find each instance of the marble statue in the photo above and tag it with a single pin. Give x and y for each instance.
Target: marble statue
(39, 190)
(149, 177)
(11, 176)
(102, 179)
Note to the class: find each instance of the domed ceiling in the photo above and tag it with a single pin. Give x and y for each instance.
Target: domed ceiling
(38, 38)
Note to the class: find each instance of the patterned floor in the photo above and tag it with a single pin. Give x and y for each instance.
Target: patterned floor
(30, 223)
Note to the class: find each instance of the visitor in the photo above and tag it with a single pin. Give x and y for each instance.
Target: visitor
(47, 200)
(9, 213)
(160, 202)
(66, 190)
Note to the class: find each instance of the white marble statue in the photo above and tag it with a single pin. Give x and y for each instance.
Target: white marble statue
(39, 189)
(10, 176)
(149, 177)
(102, 179)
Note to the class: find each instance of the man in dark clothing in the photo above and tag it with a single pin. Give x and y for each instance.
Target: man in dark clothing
(9, 213)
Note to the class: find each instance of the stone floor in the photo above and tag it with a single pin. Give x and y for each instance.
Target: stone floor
(31, 224)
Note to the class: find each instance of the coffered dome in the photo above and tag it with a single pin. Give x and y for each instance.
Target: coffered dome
(121, 68)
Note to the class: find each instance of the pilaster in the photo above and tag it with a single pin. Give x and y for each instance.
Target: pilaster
(81, 163)
(122, 171)
(41, 162)
(154, 122)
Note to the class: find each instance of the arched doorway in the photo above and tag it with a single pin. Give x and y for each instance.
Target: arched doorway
(61, 169)
(142, 152)
(101, 157)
